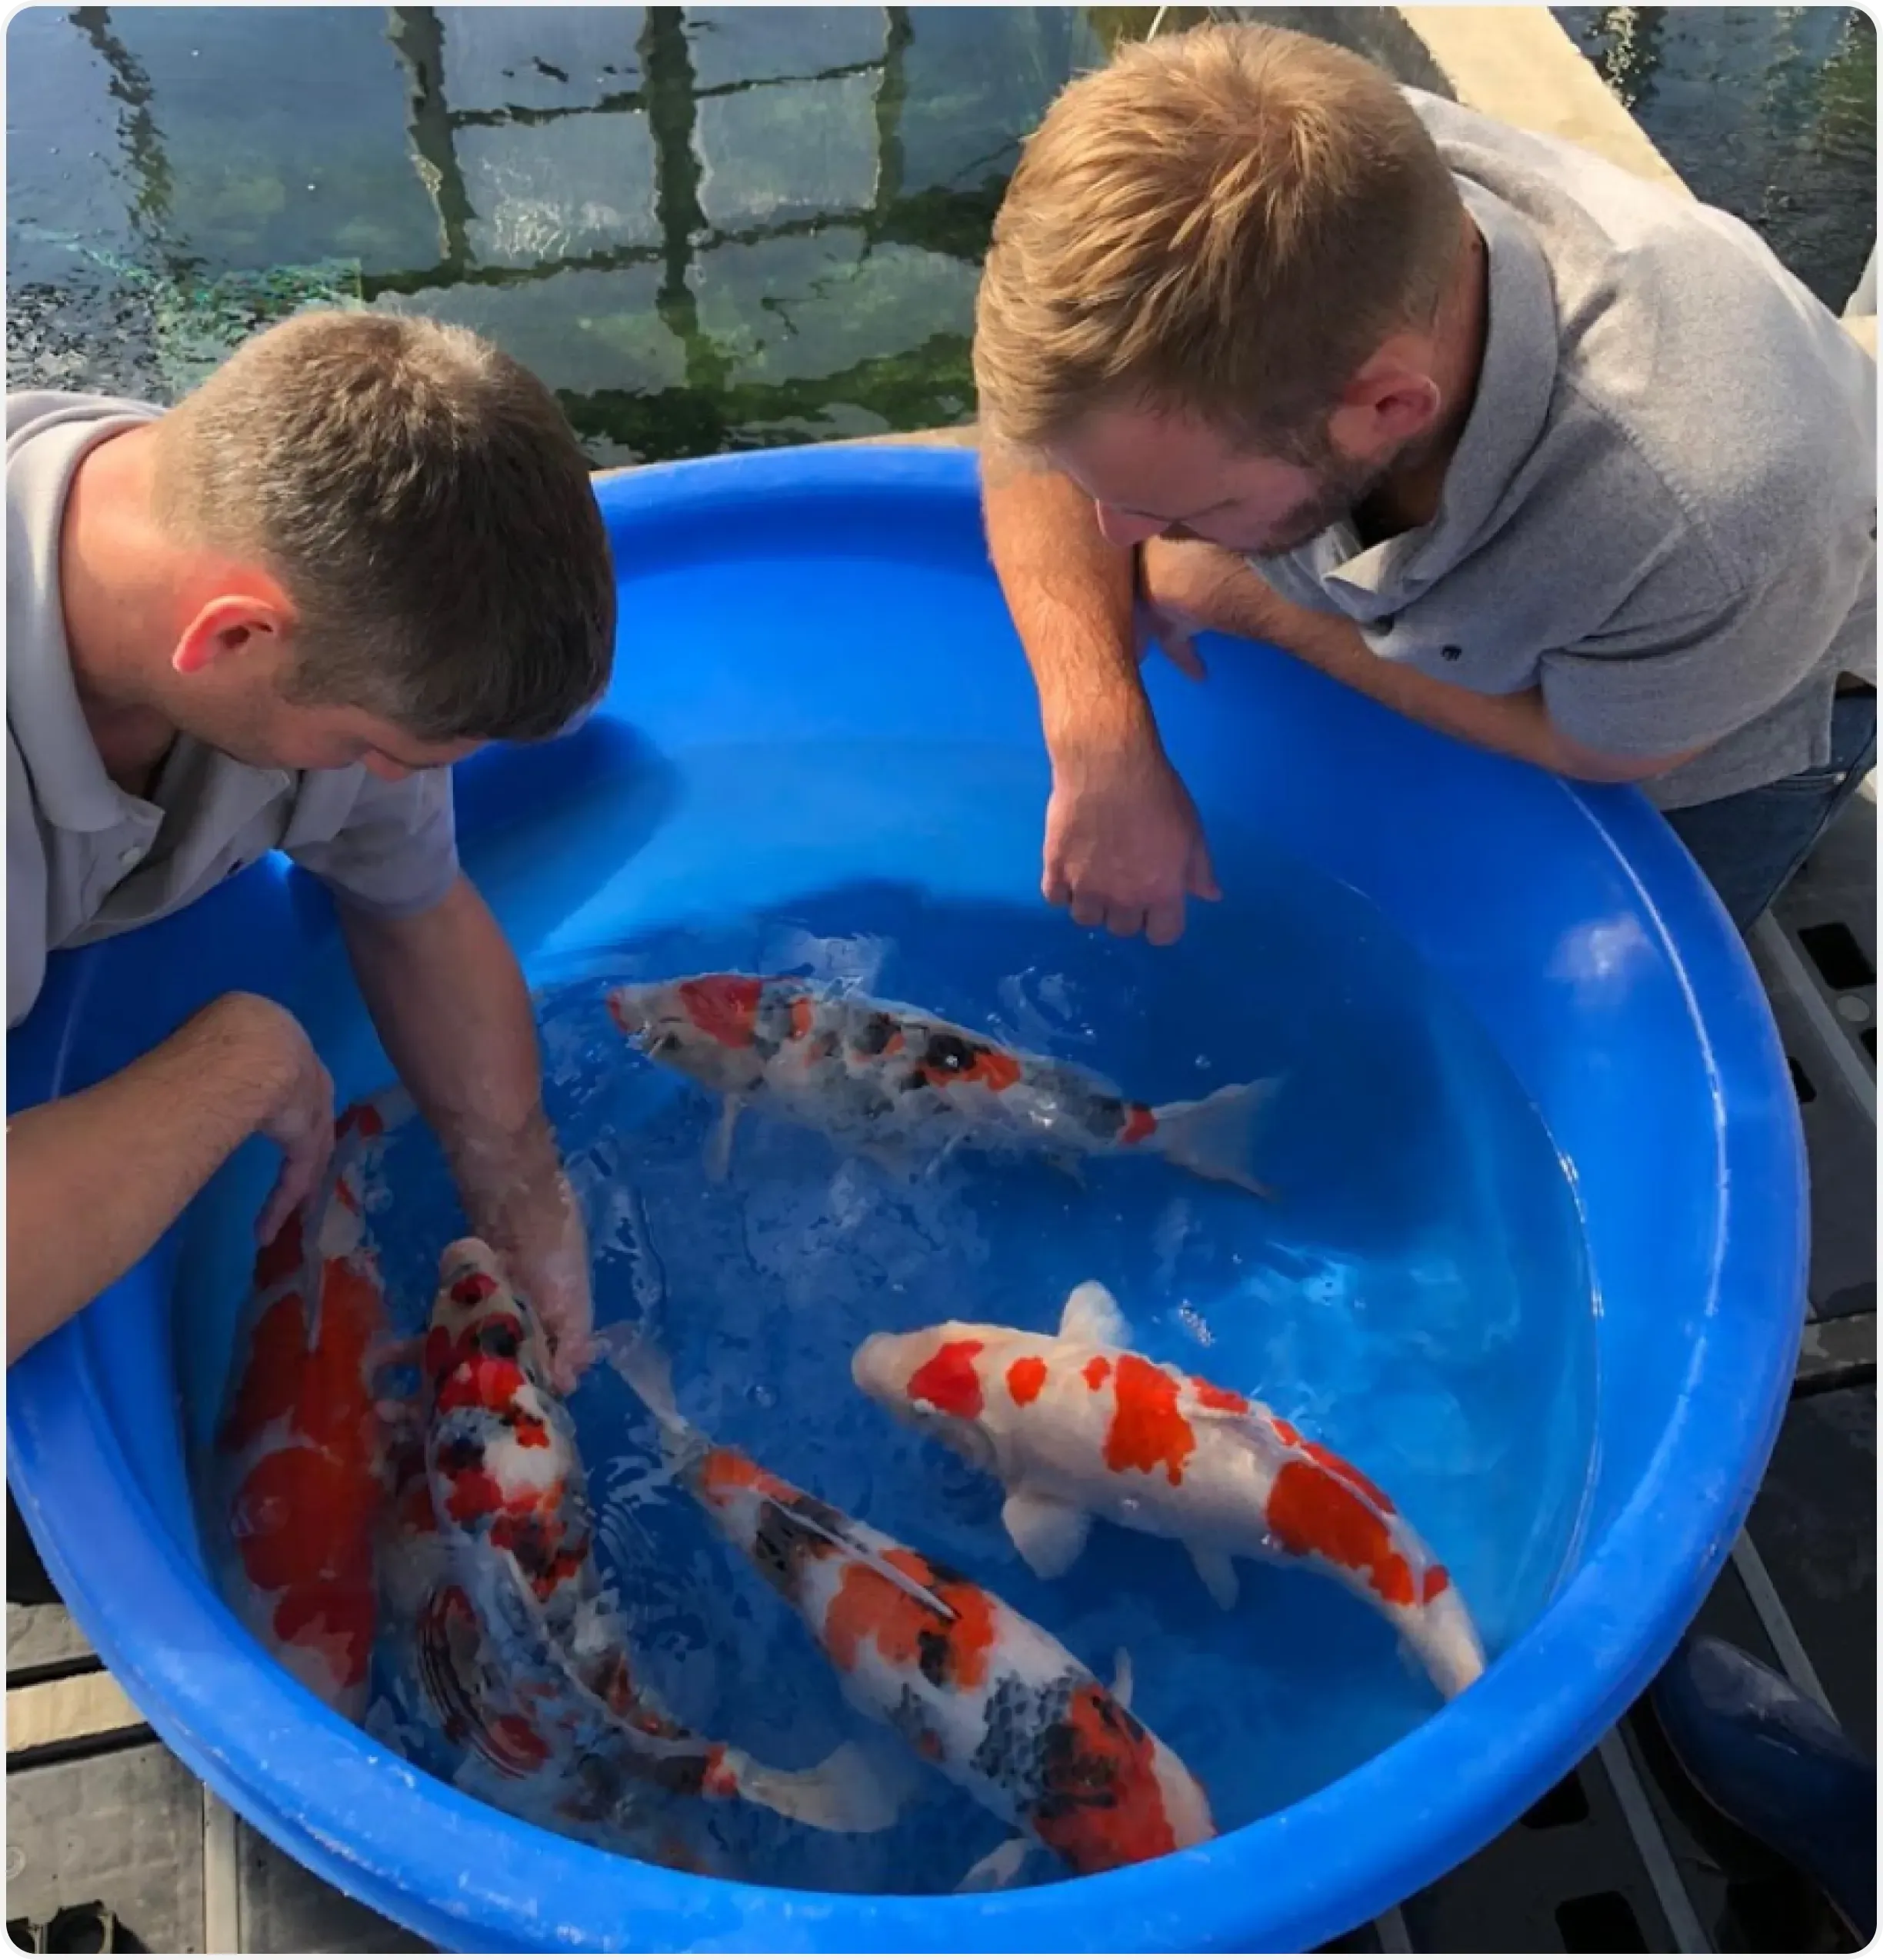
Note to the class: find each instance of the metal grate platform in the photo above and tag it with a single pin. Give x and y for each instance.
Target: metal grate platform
(1620, 1857)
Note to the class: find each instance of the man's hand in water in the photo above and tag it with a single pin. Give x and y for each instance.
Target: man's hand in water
(1125, 845)
(299, 1117)
(518, 1199)
(450, 1003)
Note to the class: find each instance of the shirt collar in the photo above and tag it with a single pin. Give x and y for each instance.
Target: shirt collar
(1516, 382)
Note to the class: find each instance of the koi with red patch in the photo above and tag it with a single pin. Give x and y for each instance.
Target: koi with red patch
(1075, 1425)
(522, 1653)
(296, 1479)
(888, 1080)
(977, 1690)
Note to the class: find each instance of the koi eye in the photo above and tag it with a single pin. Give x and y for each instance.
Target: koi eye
(949, 1052)
(498, 1339)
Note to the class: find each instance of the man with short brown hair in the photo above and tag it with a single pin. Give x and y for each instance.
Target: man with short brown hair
(1539, 455)
(271, 617)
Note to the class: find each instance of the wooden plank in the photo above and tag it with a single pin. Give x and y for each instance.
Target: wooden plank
(82, 1707)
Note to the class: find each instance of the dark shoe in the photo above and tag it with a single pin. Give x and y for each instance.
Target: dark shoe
(1772, 1762)
(92, 1928)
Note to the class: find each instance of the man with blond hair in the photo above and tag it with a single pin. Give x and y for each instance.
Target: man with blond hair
(270, 618)
(1543, 456)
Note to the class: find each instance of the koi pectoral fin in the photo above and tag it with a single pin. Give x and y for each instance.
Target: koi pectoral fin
(845, 1792)
(719, 1149)
(999, 1869)
(1048, 1534)
(1217, 1570)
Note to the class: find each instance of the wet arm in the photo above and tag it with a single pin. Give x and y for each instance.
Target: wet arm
(94, 1179)
(453, 1011)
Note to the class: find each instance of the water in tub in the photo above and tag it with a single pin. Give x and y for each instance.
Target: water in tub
(1415, 1297)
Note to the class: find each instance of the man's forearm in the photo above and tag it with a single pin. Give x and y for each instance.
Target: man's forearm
(1071, 595)
(452, 1009)
(1235, 599)
(94, 1179)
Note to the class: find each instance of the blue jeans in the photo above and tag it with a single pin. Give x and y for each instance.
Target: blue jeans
(1750, 845)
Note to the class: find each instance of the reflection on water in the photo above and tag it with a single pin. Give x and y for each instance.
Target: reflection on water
(709, 228)
(706, 227)
(1770, 112)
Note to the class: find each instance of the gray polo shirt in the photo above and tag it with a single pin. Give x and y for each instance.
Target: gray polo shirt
(1662, 511)
(86, 860)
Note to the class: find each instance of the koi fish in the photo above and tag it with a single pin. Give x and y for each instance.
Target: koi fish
(1077, 1426)
(414, 1563)
(298, 1471)
(521, 1652)
(882, 1077)
(993, 1701)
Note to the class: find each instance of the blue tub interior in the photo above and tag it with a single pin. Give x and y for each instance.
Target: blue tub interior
(1536, 1267)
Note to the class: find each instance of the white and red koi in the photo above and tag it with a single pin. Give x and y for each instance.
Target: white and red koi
(297, 1472)
(521, 1651)
(1076, 1426)
(993, 1701)
(885, 1079)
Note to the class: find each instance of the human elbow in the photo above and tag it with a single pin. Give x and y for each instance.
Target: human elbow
(1582, 764)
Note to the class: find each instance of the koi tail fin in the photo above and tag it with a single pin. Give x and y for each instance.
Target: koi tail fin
(847, 1791)
(1215, 1137)
(640, 1360)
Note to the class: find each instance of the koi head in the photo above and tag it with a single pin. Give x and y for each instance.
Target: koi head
(707, 1027)
(483, 1339)
(933, 1380)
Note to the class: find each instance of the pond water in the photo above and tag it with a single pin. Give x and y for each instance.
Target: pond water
(707, 228)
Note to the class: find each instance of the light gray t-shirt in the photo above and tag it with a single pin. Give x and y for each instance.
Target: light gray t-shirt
(85, 858)
(1662, 511)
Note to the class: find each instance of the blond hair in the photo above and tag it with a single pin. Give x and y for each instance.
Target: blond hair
(425, 505)
(1227, 223)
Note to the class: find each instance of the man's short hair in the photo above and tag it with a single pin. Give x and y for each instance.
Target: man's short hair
(425, 506)
(1227, 223)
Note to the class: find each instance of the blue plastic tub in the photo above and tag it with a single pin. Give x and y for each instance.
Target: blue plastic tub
(1569, 920)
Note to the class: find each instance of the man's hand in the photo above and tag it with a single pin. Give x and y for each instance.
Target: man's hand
(518, 1199)
(95, 1178)
(299, 1118)
(451, 1005)
(1125, 847)
(1176, 581)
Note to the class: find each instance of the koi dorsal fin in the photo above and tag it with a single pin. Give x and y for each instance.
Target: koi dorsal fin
(805, 1518)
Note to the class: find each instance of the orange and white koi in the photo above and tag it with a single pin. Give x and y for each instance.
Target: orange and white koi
(297, 1472)
(882, 1079)
(990, 1699)
(521, 1651)
(1077, 1426)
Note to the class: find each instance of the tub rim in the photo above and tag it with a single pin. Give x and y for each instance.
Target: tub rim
(442, 1866)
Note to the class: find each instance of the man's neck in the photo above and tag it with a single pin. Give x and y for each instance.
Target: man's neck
(1408, 496)
(113, 589)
